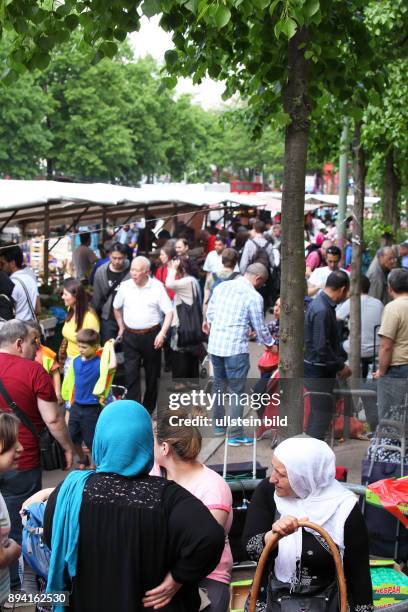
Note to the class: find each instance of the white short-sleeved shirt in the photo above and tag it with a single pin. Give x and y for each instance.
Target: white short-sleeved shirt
(319, 276)
(371, 311)
(213, 262)
(27, 277)
(143, 307)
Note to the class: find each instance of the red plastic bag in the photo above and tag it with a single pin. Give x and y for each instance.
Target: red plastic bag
(393, 495)
(268, 361)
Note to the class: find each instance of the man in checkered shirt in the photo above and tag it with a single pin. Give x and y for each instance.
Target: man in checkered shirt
(234, 309)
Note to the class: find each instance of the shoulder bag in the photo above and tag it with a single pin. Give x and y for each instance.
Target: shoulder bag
(52, 456)
(28, 297)
(190, 317)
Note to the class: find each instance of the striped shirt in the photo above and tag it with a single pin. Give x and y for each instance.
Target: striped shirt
(235, 307)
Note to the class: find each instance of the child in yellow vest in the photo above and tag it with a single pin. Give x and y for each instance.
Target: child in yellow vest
(86, 385)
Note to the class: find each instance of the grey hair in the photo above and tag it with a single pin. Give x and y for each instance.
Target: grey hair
(383, 251)
(257, 269)
(143, 260)
(12, 331)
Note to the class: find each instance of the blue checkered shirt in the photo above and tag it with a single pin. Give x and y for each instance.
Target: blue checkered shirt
(234, 307)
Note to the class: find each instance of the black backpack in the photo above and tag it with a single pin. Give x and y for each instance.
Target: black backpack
(261, 255)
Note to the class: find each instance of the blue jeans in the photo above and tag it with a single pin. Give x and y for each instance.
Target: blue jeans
(392, 389)
(230, 377)
(17, 486)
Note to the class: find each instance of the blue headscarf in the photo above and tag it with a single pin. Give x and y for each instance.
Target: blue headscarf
(123, 444)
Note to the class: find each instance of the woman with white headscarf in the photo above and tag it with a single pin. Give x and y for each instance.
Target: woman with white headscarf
(301, 573)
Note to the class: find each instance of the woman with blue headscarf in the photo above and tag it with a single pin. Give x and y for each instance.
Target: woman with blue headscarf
(121, 539)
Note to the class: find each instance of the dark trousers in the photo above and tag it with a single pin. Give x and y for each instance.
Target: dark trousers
(185, 365)
(109, 329)
(139, 351)
(17, 486)
(319, 379)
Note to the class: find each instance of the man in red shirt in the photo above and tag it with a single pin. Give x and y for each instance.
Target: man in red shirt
(30, 387)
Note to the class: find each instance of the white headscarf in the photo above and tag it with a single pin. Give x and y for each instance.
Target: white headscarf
(311, 469)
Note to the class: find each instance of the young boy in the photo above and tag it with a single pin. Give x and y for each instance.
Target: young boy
(86, 385)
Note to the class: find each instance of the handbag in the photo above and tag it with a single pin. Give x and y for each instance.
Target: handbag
(306, 601)
(52, 456)
(190, 317)
(268, 361)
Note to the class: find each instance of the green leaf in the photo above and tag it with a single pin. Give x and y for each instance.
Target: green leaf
(171, 57)
(71, 21)
(261, 4)
(192, 5)
(273, 6)
(41, 60)
(151, 7)
(222, 16)
(120, 35)
(311, 7)
(289, 27)
(109, 49)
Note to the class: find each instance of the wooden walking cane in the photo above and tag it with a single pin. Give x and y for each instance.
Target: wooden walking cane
(271, 545)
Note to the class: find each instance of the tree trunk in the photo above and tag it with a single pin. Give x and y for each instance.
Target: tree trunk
(297, 105)
(358, 221)
(392, 186)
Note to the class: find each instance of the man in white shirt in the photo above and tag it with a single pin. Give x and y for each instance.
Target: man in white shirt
(371, 312)
(317, 280)
(25, 292)
(139, 306)
(213, 261)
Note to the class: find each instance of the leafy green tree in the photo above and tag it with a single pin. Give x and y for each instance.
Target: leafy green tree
(24, 139)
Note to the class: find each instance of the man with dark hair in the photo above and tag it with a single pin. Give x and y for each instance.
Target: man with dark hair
(384, 261)
(25, 292)
(106, 283)
(393, 354)
(323, 359)
(371, 312)
(227, 272)
(319, 276)
(83, 258)
(260, 250)
(213, 261)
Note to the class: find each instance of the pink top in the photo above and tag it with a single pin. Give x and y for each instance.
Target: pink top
(313, 260)
(213, 491)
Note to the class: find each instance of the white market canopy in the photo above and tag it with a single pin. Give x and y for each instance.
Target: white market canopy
(28, 201)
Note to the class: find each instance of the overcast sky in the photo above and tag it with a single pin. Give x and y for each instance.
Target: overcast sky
(151, 39)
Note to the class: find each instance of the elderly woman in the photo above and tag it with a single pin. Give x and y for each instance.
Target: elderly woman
(121, 539)
(303, 486)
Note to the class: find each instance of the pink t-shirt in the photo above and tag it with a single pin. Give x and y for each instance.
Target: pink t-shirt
(210, 488)
(314, 260)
